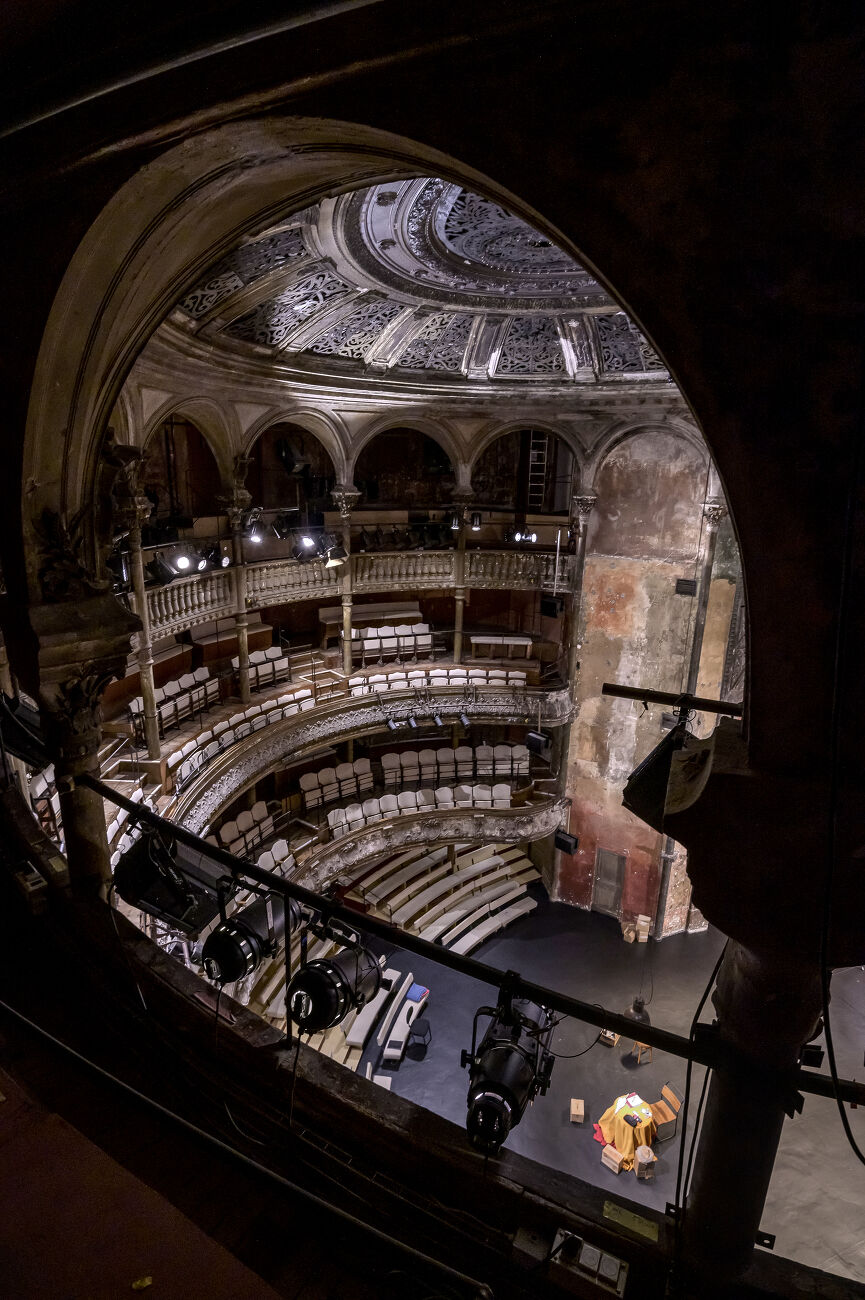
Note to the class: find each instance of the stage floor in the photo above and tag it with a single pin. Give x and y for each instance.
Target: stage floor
(583, 954)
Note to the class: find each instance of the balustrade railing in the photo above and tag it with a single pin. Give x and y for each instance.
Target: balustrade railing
(396, 569)
(532, 569)
(282, 581)
(189, 601)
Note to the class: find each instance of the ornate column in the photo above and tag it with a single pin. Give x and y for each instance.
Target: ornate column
(462, 497)
(581, 509)
(346, 497)
(236, 503)
(132, 509)
(83, 635)
(8, 687)
(768, 1006)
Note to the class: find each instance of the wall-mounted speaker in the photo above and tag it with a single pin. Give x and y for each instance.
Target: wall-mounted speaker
(537, 742)
(552, 606)
(565, 842)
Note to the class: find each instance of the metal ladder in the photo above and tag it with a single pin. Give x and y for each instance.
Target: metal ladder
(537, 470)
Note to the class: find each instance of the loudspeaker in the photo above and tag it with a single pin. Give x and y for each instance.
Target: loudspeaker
(552, 606)
(566, 842)
(537, 742)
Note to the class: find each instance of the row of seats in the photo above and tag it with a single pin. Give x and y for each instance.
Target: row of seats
(266, 667)
(437, 679)
(184, 763)
(439, 766)
(342, 821)
(192, 693)
(406, 640)
(246, 832)
(345, 781)
(131, 833)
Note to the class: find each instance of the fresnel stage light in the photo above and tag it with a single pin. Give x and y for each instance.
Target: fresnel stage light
(512, 1065)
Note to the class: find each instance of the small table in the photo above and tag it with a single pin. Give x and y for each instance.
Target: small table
(622, 1135)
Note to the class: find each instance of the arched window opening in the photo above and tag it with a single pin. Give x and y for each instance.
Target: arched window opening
(404, 469)
(180, 476)
(527, 470)
(292, 474)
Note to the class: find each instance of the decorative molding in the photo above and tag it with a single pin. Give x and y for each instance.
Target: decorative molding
(253, 757)
(714, 512)
(63, 572)
(451, 826)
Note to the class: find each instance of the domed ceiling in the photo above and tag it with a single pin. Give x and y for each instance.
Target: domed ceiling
(419, 279)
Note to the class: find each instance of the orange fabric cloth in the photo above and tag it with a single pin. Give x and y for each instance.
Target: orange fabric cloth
(622, 1136)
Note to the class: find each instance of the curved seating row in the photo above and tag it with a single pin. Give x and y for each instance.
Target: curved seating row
(190, 694)
(433, 766)
(436, 678)
(345, 781)
(184, 763)
(266, 667)
(246, 832)
(405, 640)
(341, 821)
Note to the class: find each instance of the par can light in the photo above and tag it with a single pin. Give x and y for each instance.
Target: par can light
(236, 947)
(323, 992)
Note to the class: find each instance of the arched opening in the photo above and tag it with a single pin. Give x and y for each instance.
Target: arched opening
(404, 469)
(180, 476)
(528, 470)
(291, 473)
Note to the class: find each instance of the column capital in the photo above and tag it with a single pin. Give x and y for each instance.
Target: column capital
(582, 506)
(463, 494)
(345, 498)
(714, 511)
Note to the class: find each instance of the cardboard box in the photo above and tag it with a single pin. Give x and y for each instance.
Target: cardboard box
(612, 1158)
(665, 1112)
(578, 1113)
(629, 932)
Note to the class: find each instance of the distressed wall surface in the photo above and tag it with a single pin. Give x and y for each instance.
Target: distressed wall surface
(645, 533)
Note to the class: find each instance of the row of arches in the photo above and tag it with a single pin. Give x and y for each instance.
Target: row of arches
(291, 465)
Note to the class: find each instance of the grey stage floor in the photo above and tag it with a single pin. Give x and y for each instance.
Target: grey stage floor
(818, 1186)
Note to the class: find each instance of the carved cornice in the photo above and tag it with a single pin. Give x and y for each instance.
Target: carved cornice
(452, 826)
(253, 757)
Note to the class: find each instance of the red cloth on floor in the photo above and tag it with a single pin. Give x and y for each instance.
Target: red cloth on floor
(598, 1135)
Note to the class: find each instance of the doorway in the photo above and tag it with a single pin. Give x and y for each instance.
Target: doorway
(609, 880)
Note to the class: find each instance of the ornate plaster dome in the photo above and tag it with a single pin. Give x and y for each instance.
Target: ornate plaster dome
(421, 279)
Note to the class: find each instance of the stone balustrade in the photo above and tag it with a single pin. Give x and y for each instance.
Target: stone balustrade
(187, 602)
(394, 570)
(279, 582)
(518, 569)
(442, 826)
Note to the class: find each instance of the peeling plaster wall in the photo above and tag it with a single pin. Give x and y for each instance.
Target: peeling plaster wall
(645, 532)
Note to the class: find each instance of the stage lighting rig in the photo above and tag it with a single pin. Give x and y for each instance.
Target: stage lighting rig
(510, 1068)
(237, 945)
(177, 885)
(323, 992)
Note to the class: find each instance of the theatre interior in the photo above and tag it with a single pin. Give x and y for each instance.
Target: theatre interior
(433, 563)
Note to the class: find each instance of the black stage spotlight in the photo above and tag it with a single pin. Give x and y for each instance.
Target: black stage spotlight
(412, 724)
(322, 993)
(214, 557)
(235, 948)
(284, 523)
(336, 555)
(512, 1065)
(161, 570)
(437, 720)
(465, 720)
(476, 521)
(176, 884)
(645, 792)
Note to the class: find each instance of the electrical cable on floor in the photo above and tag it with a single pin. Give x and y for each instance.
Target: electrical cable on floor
(480, 1288)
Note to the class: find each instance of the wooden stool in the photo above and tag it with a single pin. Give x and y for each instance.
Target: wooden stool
(638, 1049)
(644, 1163)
